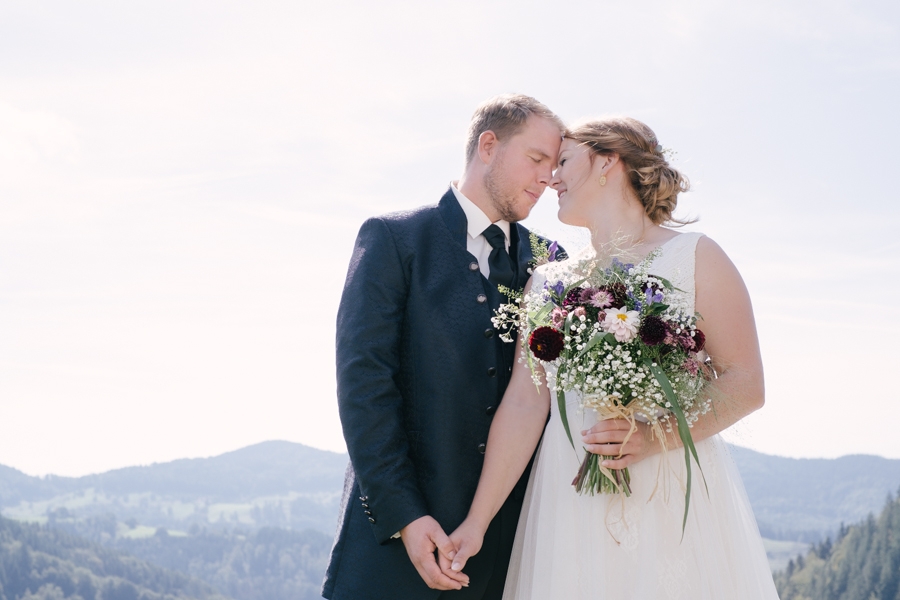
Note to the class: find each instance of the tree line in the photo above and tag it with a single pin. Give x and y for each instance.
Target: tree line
(863, 563)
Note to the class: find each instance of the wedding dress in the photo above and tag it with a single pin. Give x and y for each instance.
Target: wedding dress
(571, 547)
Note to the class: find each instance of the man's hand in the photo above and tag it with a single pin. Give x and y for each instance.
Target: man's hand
(421, 538)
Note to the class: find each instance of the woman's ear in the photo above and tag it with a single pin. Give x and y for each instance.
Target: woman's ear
(604, 163)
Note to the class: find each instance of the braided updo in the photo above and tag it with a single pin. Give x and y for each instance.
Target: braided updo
(656, 183)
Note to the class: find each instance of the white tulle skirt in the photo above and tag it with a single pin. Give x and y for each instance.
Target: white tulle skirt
(571, 547)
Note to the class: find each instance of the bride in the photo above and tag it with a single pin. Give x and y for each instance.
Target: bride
(614, 179)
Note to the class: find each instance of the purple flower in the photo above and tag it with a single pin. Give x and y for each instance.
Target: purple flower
(653, 295)
(653, 330)
(573, 297)
(552, 250)
(558, 287)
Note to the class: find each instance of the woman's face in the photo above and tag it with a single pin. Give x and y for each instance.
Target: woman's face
(574, 183)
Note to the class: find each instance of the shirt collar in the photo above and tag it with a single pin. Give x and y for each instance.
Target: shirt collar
(476, 220)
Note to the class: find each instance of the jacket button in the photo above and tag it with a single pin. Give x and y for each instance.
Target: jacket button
(491, 410)
(482, 447)
(481, 298)
(365, 505)
(491, 371)
(488, 333)
(364, 498)
(368, 512)
(372, 520)
(473, 266)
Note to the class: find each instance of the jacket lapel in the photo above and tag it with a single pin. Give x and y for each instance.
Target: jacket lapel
(519, 238)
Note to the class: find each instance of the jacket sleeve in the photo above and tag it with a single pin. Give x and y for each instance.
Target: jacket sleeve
(369, 323)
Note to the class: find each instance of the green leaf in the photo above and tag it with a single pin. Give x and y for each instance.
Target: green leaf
(561, 403)
(656, 309)
(598, 337)
(541, 315)
(684, 432)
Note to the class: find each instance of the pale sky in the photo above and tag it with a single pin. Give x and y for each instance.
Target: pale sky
(181, 184)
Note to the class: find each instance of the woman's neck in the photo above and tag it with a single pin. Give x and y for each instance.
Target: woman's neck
(622, 231)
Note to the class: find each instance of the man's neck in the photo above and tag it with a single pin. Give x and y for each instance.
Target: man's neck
(473, 188)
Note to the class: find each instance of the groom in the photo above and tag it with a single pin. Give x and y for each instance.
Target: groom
(421, 370)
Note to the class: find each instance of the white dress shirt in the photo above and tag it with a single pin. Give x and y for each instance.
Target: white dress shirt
(476, 243)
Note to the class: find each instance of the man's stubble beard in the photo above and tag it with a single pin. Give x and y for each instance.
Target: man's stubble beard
(498, 189)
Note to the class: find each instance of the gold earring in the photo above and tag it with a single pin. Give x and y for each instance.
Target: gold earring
(603, 180)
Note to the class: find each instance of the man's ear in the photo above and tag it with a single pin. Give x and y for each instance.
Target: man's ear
(487, 146)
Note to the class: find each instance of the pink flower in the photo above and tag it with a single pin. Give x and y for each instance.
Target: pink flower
(558, 317)
(597, 298)
(691, 366)
(622, 323)
(579, 312)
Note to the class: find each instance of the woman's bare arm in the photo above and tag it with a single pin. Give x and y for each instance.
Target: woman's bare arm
(731, 341)
(515, 433)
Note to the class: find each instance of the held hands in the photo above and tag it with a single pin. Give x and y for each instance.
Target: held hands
(607, 438)
(421, 538)
(467, 540)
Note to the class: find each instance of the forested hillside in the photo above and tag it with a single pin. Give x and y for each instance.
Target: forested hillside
(266, 564)
(863, 564)
(808, 498)
(41, 564)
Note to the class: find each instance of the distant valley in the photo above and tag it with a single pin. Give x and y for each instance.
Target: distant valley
(257, 523)
(272, 484)
(292, 486)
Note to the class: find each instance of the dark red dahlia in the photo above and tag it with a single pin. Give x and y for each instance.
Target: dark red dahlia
(619, 294)
(653, 330)
(546, 343)
(699, 340)
(573, 297)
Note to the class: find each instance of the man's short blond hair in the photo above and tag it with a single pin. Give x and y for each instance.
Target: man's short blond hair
(505, 115)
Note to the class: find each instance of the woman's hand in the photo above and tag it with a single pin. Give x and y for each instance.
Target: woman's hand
(467, 538)
(607, 438)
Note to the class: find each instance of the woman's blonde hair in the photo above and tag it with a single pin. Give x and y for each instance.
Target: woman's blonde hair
(656, 183)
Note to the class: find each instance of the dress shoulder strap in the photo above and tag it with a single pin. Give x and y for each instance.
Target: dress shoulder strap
(676, 262)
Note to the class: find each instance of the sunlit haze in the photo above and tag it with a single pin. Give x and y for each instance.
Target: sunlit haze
(181, 184)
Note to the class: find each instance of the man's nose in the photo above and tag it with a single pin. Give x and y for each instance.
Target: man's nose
(545, 176)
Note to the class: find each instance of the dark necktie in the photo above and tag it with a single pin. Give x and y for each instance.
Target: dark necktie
(500, 263)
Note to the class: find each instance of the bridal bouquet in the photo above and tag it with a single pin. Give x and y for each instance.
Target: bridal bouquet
(624, 339)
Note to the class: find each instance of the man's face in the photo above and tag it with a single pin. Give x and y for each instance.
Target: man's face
(522, 168)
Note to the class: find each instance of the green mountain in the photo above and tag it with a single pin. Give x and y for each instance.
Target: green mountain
(291, 486)
(257, 523)
(809, 498)
(43, 564)
(864, 563)
(272, 484)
